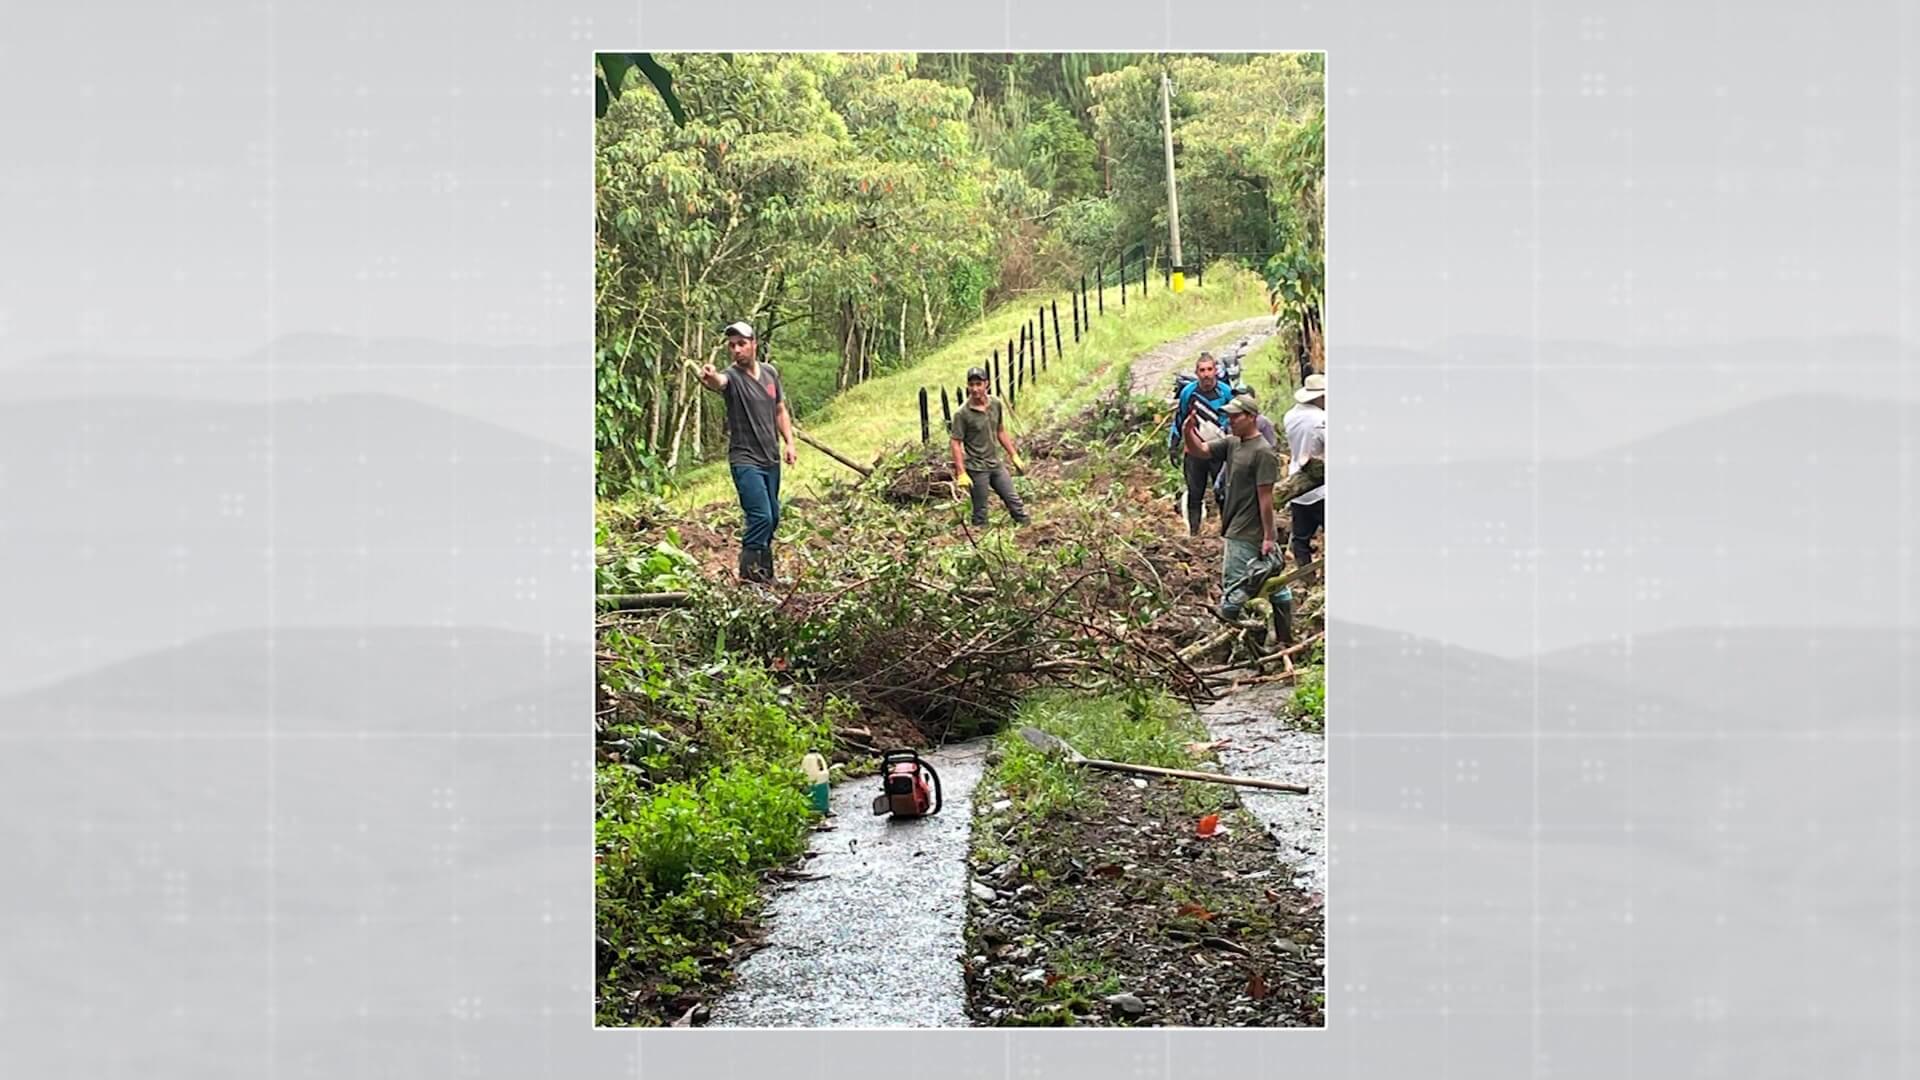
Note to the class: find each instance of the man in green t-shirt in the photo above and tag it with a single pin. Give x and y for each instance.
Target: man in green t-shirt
(978, 435)
(1246, 514)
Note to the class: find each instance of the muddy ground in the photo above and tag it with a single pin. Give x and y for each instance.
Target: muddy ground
(1123, 915)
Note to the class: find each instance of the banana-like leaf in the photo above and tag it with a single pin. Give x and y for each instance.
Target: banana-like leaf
(613, 78)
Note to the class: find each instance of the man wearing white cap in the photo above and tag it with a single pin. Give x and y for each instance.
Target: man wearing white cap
(758, 427)
(1306, 427)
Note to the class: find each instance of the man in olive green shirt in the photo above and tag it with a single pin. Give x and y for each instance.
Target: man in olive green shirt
(978, 435)
(1246, 514)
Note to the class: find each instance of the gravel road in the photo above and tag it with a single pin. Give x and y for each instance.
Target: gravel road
(876, 941)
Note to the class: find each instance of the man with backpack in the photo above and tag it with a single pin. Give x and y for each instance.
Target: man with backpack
(1199, 471)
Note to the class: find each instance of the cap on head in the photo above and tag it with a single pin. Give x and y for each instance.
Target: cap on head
(976, 374)
(1314, 388)
(739, 329)
(1241, 405)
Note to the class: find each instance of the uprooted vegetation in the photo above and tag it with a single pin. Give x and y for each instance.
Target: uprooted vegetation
(895, 623)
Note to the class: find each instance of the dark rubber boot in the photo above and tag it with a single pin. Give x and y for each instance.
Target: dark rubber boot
(1283, 616)
(748, 564)
(766, 565)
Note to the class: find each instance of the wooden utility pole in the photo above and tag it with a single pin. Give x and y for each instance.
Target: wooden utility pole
(1173, 196)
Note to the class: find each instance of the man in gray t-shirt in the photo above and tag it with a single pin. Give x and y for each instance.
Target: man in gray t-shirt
(757, 427)
(1247, 512)
(978, 434)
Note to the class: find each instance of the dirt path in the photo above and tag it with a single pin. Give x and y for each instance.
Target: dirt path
(876, 941)
(1152, 371)
(1264, 745)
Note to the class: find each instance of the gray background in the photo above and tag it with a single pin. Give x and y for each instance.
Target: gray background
(296, 526)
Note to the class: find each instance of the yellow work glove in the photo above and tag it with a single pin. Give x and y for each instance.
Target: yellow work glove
(1018, 465)
(963, 480)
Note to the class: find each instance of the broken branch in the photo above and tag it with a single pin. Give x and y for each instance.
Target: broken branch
(641, 601)
(832, 453)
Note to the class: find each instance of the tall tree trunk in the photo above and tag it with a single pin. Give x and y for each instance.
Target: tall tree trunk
(926, 308)
(843, 379)
(657, 380)
(681, 407)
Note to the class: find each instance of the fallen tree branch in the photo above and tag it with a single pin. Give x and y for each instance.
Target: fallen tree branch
(1283, 654)
(642, 601)
(832, 453)
(1206, 645)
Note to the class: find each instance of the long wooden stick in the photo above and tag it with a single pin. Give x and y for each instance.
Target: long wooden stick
(831, 452)
(1054, 745)
(639, 601)
(1190, 774)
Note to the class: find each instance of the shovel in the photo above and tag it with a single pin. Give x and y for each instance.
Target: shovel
(1055, 746)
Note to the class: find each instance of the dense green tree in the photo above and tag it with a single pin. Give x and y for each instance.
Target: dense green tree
(867, 205)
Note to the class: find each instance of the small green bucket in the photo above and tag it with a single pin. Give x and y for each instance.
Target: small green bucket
(820, 793)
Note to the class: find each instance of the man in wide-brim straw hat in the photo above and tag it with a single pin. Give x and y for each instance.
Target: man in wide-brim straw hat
(1306, 428)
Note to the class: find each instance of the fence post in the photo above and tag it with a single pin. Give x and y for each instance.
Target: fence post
(1143, 270)
(1123, 281)
(1100, 280)
(946, 411)
(1057, 347)
(1043, 333)
(1200, 274)
(925, 435)
(1076, 312)
(996, 365)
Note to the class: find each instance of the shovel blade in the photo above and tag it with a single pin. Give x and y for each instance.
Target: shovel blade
(1051, 745)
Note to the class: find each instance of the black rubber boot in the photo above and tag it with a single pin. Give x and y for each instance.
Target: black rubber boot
(1283, 616)
(766, 565)
(749, 564)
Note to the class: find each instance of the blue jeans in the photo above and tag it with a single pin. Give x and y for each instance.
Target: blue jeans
(759, 489)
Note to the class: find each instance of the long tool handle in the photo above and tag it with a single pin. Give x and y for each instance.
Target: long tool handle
(1190, 774)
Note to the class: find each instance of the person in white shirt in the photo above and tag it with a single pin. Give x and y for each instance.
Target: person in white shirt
(1306, 428)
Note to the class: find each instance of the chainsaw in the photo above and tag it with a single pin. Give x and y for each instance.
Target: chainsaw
(909, 787)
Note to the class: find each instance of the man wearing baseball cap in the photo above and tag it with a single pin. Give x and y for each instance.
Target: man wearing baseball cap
(976, 438)
(1210, 392)
(1246, 514)
(758, 427)
(1306, 427)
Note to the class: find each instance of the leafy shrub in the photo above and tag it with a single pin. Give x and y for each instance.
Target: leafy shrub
(678, 869)
(1310, 699)
(663, 567)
